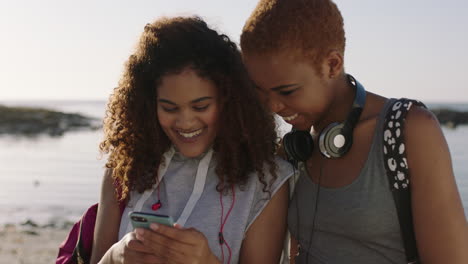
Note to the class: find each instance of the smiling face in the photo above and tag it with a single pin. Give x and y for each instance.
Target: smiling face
(188, 111)
(292, 89)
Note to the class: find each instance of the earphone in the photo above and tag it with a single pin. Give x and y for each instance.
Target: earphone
(335, 140)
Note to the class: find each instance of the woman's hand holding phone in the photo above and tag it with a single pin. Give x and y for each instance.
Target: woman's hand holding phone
(157, 240)
(176, 244)
(129, 250)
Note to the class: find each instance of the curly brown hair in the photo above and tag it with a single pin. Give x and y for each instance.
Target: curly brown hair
(307, 29)
(246, 140)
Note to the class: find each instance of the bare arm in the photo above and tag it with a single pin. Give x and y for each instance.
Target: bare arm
(107, 221)
(439, 220)
(265, 237)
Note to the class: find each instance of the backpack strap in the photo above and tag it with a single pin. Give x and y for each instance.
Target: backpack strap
(396, 167)
(82, 251)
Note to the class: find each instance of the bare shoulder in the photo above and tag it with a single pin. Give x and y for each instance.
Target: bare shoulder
(108, 192)
(108, 175)
(438, 215)
(425, 142)
(424, 136)
(420, 120)
(108, 200)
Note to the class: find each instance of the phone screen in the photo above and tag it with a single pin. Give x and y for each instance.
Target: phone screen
(143, 220)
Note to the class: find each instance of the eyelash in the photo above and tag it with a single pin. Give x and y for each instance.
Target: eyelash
(201, 108)
(286, 93)
(198, 109)
(170, 110)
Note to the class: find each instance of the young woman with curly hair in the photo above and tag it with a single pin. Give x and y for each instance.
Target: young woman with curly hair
(342, 209)
(188, 137)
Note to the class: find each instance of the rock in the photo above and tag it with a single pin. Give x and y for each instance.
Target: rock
(50, 225)
(451, 118)
(30, 232)
(67, 225)
(9, 226)
(34, 121)
(29, 222)
(36, 183)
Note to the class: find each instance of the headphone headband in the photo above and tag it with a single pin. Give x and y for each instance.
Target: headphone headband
(358, 104)
(335, 140)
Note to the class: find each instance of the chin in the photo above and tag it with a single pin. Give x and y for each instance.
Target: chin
(302, 126)
(305, 125)
(192, 152)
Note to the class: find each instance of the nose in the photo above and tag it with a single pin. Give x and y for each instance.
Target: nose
(185, 119)
(275, 105)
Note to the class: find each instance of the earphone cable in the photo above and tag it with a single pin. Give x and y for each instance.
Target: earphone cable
(316, 206)
(223, 223)
(298, 246)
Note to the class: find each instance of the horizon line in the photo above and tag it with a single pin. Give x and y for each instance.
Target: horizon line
(12, 100)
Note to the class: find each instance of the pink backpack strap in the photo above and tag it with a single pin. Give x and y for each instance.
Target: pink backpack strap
(77, 246)
(68, 245)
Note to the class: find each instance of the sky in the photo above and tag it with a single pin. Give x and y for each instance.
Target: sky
(75, 50)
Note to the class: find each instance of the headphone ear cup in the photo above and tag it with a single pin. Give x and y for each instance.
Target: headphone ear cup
(334, 142)
(298, 145)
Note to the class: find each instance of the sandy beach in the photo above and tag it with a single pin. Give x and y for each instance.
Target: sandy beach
(28, 244)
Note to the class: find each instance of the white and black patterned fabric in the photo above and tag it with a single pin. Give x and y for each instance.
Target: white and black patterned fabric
(396, 165)
(394, 145)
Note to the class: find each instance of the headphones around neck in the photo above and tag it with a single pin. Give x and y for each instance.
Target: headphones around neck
(335, 140)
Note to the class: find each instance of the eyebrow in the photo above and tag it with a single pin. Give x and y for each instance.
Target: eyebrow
(193, 101)
(201, 99)
(281, 87)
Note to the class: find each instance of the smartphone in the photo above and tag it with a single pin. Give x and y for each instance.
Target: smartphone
(143, 220)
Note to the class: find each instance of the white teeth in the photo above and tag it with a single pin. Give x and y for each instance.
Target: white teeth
(191, 134)
(289, 118)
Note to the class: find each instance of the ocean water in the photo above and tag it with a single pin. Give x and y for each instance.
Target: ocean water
(55, 179)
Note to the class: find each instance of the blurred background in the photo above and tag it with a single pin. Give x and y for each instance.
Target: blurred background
(67, 56)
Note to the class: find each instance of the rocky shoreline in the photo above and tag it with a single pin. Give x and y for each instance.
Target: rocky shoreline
(31, 241)
(450, 118)
(29, 121)
(28, 244)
